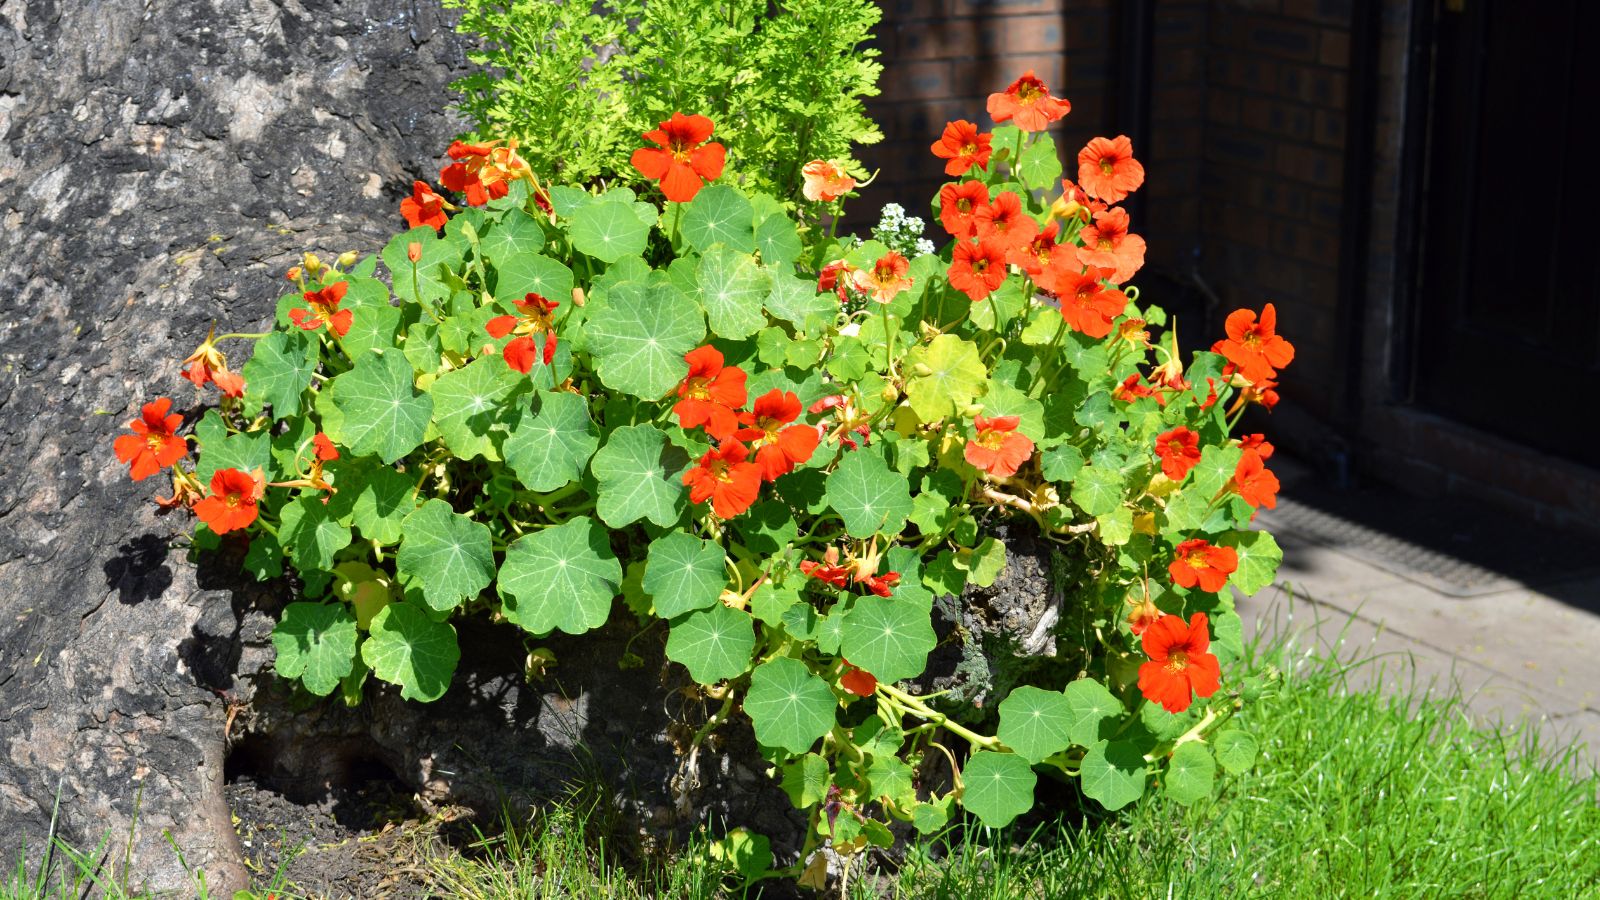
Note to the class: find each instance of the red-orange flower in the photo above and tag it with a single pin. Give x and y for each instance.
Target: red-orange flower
(1087, 305)
(1144, 614)
(682, 156)
(882, 585)
(1028, 103)
(482, 172)
(322, 308)
(1254, 481)
(828, 571)
(1075, 203)
(423, 207)
(1107, 244)
(962, 146)
(1258, 443)
(977, 269)
(858, 681)
(325, 449)
(1255, 347)
(207, 364)
(1181, 665)
(1107, 169)
(769, 426)
(1179, 450)
(837, 276)
(886, 279)
(535, 316)
(959, 205)
(825, 180)
(232, 502)
(724, 477)
(1004, 223)
(154, 444)
(1131, 389)
(1042, 258)
(998, 449)
(1196, 562)
(710, 393)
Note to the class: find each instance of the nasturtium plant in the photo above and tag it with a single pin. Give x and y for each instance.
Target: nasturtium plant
(791, 455)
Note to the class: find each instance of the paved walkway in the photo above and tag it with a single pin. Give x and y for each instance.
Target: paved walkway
(1519, 655)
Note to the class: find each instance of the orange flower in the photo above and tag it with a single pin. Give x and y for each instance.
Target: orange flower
(858, 681)
(154, 444)
(682, 156)
(1144, 614)
(725, 478)
(232, 503)
(1179, 450)
(959, 205)
(1254, 481)
(483, 172)
(977, 269)
(1255, 347)
(1131, 389)
(207, 364)
(1028, 103)
(962, 146)
(885, 280)
(423, 207)
(326, 451)
(1107, 169)
(710, 393)
(1075, 203)
(1107, 244)
(1004, 223)
(825, 181)
(828, 571)
(1258, 443)
(1196, 562)
(1086, 304)
(882, 585)
(769, 426)
(322, 308)
(534, 316)
(1181, 665)
(1042, 255)
(998, 449)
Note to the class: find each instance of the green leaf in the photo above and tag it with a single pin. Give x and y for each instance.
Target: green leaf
(1035, 722)
(564, 576)
(515, 234)
(684, 573)
(767, 527)
(245, 451)
(984, 563)
(889, 638)
(428, 282)
(383, 412)
(732, 286)
(549, 448)
(311, 535)
(890, 777)
(278, 372)
(372, 328)
(471, 408)
(930, 817)
(533, 273)
(1216, 467)
(1113, 773)
(1259, 556)
(1190, 773)
(806, 780)
(1236, 750)
(868, 496)
(1097, 490)
(408, 648)
(638, 474)
(771, 601)
(316, 643)
(1090, 704)
(608, 230)
(955, 376)
(375, 497)
(720, 214)
(789, 705)
(1040, 167)
(713, 644)
(778, 241)
(449, 553)
(639, 335)
(999, 787)
(796, 300)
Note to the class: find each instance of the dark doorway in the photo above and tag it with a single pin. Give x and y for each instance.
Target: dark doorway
(1508, 336)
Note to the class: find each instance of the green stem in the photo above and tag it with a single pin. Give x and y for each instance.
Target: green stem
(909, 703)
(232, 335)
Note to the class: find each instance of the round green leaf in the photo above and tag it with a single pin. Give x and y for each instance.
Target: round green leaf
(789, 705)
(955, 376)
(713, 644)
(999, 787)
(450, 554)
(407, 648)
(608, 230)
(869, 496)
(515, 234)
(1039, 166)
(245, 451)
(797, 300)
(376, 498)
(638, 475)
(471, 406)
(428, 281)
(1097, 490)
(1190, 773)
(888, 637)
(1236, 750)
(563, 577)
(310, 534)
(548, 449)
(778, 241)
(1259, 556)
(1035, 722)
(732, 286)
(316, 643)
(719, 214)
(684, 573)
(533, 273)
(279, 372)
(639, 334)
(1089, 703)
(1113, 773)
(383, 412)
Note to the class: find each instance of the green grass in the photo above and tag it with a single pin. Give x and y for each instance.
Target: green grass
(1357, 793)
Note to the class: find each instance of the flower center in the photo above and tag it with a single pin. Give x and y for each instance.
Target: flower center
(969, 149)
(991, 438)
(1106, 165)
(719, 471)
(1177, 661)
(964, 205)
(1105, 244)
(155, 441)
(980, 265)
(698, 388)
(232, 500)
(1029, 93)
(1196, 561)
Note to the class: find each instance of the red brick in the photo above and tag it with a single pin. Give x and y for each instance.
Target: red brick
(1333, 12)
(1222, 108)
(925, 80)
(1329, 129)
(1012, 7)
(994, 73)
(1313, 84)
(1317, 167)
(1335, 48)
(898, 11)
(1277, 118)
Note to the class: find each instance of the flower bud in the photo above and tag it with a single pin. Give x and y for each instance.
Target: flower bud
(414, 252)
(921, 370)
(293, 274)
(890, 393)
(348, 259)
(312, 264)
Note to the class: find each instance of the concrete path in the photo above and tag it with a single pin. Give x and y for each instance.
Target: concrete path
(1520, 656)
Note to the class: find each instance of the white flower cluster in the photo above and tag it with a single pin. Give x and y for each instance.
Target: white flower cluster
(901, 232)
